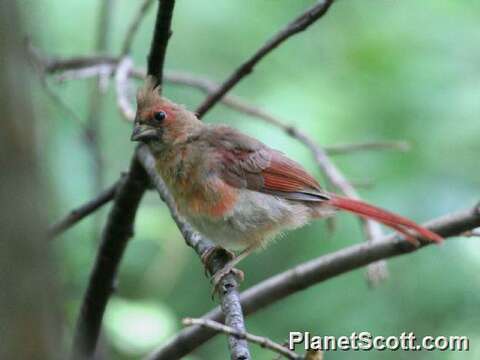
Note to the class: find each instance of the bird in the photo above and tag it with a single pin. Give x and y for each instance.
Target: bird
(235, 190)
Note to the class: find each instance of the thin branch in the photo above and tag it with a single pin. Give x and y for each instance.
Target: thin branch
(313, 272)
(58, 65)
(79, 213)
(228, 293)
(133, 28)
(161, 34)
(471, 233)
(122, 88)
(342, 149)
(119, 227)
(299, 24)
(260, 340)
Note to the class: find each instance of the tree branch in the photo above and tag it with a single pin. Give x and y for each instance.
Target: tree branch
(313, 272)
(260, 340)
(161, 34)
(341, 149)
(82, 211)
(299, 24)
(133, 28)
(119, 227)
(228, 294)
(117, 232)
(122, 88)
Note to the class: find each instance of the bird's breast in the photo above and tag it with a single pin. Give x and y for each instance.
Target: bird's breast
(212, 198)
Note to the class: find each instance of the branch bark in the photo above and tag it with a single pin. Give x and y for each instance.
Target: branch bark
(133, 28)
(313, 272)
(161, 35)
(82, 211)
(297, 25)
(260, 340)
(117, 232)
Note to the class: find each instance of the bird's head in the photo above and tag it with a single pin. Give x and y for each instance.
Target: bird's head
(160, 122)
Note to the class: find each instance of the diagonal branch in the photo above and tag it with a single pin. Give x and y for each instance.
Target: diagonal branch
(313, 272)
(260, 340)
(342, 149)
(117, 232)
(133, 28)
(297, 25)
(82, 211)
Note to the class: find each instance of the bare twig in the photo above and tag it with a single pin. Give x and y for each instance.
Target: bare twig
(260, 340)
(342, 149)
(297, 25)
(313, 272)
(122, 88)
(228, 293)
(471, 233)
(82, 211)
(58, 65)
(119, 227)
(133, 28)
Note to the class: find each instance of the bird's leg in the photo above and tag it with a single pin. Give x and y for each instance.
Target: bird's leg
(212, 252)
(229, 267)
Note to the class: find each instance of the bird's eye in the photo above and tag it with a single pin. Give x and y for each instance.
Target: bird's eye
(160, 116)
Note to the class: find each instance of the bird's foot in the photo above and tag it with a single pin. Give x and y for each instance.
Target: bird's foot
(221, 273)
(213, 252)
(228, 258)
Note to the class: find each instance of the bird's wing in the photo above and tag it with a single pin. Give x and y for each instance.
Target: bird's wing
(247, 163)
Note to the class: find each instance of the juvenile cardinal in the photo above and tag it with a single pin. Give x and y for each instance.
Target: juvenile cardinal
(234, 189)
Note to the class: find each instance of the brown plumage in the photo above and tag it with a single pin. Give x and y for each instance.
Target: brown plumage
(234, 189)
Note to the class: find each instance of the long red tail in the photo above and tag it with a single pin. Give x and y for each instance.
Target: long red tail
(396, 222)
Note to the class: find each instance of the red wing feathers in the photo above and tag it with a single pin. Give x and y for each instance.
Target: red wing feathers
(286, 176)
(247, 163)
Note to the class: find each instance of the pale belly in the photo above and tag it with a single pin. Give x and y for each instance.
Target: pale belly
(255, 218)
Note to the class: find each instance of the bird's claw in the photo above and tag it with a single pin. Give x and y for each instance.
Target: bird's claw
(212, 252)
(220, 275)
(228, 258)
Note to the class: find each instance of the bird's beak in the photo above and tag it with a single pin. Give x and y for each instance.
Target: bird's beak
(143, 133)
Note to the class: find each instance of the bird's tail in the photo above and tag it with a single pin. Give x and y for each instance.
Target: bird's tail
(399, 223)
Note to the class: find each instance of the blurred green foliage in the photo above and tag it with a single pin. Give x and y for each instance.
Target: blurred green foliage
(369, 70)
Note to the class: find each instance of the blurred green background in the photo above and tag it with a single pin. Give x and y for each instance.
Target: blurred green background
(370, 70)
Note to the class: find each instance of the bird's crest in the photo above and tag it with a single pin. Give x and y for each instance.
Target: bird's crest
(149, 93)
